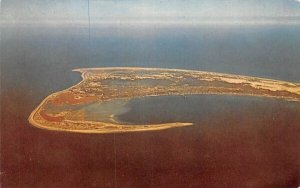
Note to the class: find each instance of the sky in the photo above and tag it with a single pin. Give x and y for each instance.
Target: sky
(146, 11)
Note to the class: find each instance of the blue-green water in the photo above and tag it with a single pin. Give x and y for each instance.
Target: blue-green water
(40, 58)
(205, 109)
(235, 142)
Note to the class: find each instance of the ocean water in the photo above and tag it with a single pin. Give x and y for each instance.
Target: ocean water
(236, 141)
(203, 109)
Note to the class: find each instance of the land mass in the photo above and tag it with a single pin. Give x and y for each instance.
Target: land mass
(91, 105)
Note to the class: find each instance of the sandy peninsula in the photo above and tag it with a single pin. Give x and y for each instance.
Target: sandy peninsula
(67, 110)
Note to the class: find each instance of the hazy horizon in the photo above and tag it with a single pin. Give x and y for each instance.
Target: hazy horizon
(155, 12)
(235, 141)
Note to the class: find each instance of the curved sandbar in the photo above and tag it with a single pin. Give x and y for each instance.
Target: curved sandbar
(70, 109)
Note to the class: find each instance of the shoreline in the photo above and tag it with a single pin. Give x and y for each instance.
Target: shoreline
(276, 85)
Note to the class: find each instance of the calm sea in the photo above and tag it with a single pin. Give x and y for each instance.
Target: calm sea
(235, 142)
